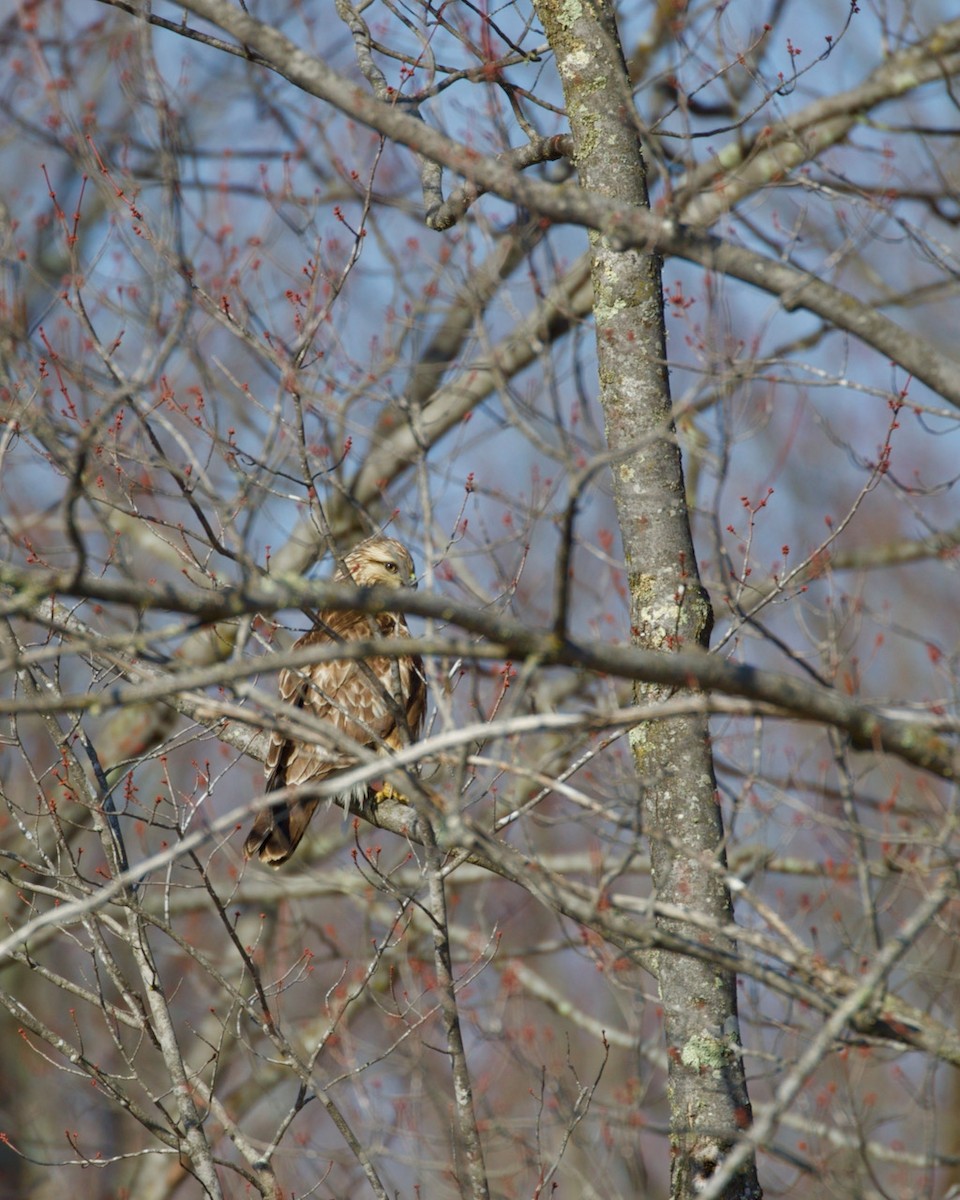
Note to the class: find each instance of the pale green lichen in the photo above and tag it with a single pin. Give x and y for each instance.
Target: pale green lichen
(568, 12)
(606, 311)
(705, 1052)
(638, 738)
(658, 620)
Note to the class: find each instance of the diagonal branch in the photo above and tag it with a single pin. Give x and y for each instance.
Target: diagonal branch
(634, 227)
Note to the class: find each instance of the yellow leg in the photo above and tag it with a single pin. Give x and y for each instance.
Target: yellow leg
(389, 792)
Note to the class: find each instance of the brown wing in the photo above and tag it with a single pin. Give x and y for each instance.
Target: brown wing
(403, 680)
(378, 703)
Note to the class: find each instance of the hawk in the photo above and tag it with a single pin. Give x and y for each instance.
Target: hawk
(377, 702)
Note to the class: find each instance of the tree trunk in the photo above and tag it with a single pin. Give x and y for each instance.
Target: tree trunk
(708, 1097)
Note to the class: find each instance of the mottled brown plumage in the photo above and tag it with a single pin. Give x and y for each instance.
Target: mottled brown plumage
(382, 713)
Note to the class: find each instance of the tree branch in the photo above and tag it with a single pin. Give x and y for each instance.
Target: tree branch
(869, 729)
(626, 228)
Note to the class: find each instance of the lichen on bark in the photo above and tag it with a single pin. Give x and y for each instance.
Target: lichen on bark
(669, 608)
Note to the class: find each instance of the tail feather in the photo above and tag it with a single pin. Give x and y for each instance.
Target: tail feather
(277, 831)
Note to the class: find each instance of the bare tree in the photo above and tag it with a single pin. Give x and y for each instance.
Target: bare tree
(638, 327)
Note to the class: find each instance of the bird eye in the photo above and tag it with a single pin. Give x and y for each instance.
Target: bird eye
(392, 567)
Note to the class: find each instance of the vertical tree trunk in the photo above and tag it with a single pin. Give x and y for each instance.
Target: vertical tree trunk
(708, 1097)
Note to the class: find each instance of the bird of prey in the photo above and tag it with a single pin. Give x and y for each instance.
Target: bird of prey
(376, 702)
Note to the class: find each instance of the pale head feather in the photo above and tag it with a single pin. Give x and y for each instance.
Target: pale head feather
(380, 561)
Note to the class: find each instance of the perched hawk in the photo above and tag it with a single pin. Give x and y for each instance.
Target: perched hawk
(376, 702)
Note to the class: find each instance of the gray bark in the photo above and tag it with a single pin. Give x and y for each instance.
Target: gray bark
(670, 610)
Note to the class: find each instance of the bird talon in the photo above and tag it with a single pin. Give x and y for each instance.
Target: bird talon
(389, 792)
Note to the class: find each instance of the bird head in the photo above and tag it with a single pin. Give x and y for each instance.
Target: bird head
(380, 561)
